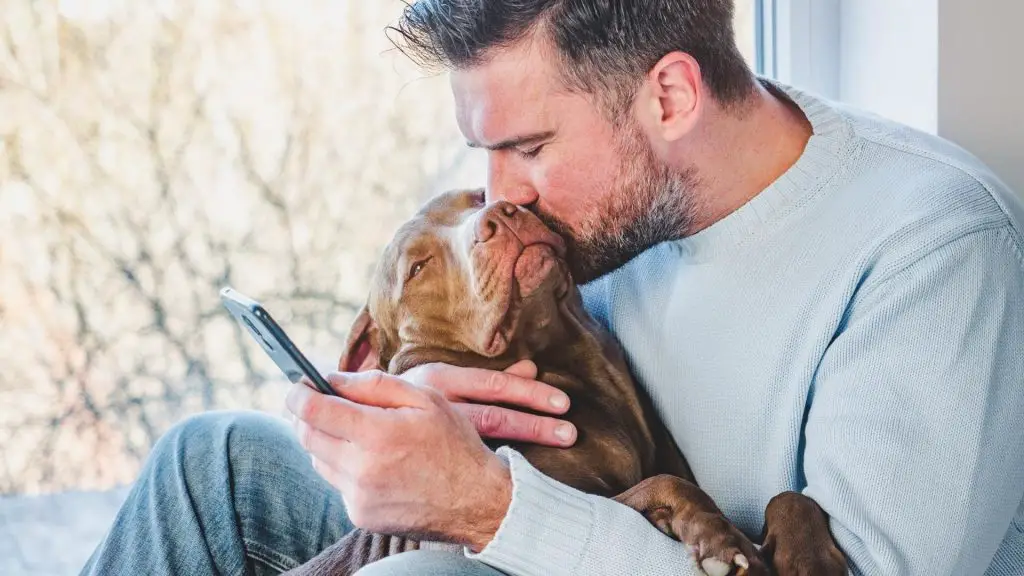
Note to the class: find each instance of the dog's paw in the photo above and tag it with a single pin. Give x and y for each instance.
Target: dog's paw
(683, 511)
(718, 547)
(798, 541)
(820, 561)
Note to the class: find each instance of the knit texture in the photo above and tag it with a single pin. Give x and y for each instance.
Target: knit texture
(854, 332)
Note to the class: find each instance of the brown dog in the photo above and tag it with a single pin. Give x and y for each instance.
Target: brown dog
(485, 286)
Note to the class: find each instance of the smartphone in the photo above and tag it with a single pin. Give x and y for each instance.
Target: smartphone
(258, 322)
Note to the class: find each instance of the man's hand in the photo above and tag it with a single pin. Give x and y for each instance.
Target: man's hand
(474, 391)
(405, 461)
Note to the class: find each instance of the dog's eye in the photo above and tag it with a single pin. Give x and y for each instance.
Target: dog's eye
(417, 268)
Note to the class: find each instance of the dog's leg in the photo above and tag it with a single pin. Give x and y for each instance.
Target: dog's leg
(797, 539)
(682, 510)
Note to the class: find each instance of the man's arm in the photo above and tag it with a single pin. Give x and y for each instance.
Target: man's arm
(551, 528)
(915, 432)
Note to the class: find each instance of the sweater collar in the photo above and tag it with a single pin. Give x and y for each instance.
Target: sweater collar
(830, 143)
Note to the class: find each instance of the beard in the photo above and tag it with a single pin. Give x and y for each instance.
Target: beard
(650, 203)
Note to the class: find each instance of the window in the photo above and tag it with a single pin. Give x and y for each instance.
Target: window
(798, 43)
(746, 26)
(153, 152)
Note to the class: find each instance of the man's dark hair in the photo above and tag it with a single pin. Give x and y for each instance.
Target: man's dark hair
(605, 46)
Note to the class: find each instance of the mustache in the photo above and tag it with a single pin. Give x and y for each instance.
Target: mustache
(560, 227)
(587, 258)
(661, 212)
(552, 222)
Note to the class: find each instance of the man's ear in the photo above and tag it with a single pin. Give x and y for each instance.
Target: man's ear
(363, 348)
(671, 99)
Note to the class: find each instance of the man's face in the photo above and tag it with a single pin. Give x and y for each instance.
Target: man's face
(596, 182)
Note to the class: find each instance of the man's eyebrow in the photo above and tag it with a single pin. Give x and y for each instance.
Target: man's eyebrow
(515, 142)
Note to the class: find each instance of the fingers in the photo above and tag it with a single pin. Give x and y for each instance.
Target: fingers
(490, 387)
(523, 369)
(356, 409)
(376, 388)
(504, 424)
(324, 448)
(334, 415)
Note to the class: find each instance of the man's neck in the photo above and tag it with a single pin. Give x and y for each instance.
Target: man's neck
(740, 153)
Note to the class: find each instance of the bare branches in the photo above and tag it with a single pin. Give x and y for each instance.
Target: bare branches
(155, 158)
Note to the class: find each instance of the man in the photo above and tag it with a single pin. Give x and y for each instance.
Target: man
(816, 300)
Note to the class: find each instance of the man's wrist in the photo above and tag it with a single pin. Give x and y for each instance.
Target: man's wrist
(496, 497)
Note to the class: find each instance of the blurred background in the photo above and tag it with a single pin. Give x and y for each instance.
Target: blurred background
(154, 152)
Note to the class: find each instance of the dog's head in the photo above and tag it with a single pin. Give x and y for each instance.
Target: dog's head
(461, 280)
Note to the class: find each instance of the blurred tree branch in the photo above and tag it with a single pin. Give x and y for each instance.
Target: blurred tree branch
(146, 160)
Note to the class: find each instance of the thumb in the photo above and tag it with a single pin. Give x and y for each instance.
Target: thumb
(523, 369)
(376, 388)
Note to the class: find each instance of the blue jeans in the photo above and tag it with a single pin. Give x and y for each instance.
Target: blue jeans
(234, 493)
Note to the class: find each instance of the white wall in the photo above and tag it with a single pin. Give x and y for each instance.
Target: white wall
(950, 67)
(889, 58)
(981, 82)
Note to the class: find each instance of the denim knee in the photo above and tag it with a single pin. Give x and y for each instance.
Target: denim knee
(241, 439)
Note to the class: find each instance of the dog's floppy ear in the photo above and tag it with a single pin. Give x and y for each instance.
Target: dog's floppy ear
(363, 348)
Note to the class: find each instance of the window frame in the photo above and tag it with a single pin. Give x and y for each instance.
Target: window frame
(798, 43)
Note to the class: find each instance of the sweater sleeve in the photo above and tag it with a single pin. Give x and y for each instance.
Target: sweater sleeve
(915, 427)
(551, 528)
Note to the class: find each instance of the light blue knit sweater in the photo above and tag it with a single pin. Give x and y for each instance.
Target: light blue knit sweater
(855, 332)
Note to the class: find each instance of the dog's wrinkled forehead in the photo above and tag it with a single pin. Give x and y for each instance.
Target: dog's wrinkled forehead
(450, 208)
(433, 223)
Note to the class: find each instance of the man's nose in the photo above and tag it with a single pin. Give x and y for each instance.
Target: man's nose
(494, 219)
(504, 183)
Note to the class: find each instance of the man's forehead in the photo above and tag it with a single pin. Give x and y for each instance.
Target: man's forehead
(513, 93)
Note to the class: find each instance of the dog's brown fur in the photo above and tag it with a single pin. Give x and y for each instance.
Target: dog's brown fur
(484, 287)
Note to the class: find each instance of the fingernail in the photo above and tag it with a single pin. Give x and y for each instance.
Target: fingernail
(559, 401)
(564, 432)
